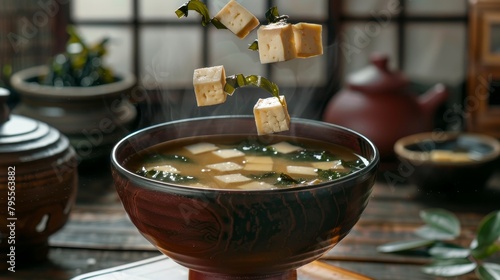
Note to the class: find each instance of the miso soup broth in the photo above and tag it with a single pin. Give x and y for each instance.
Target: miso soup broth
(243, 162)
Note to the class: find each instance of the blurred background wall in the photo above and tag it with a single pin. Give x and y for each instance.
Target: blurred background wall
(31, 32)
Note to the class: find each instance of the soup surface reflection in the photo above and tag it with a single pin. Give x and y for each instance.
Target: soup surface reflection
(245, 162)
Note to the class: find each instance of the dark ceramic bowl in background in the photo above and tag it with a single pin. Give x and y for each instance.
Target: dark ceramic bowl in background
(449, 177)
(93, 118)
(255, 234)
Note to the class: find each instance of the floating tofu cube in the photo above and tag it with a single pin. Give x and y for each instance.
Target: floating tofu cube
(259, 159)
(326, 165)
(201, 147)
(276, 42)
(228, 153)
(165, 168)
(271, 116)
(262, 167)
(301, 170)
(257, 186)
(237, 19)
(308, 39)
(232, 178)
(225, 166)
(285, 147)
(209, 85)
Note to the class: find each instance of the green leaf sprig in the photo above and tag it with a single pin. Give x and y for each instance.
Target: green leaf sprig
(199, 7)
(239, 80)
(81, 65)
(451, 260)
(273, 16)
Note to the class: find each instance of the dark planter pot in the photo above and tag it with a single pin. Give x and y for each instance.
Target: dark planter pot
(93, 118)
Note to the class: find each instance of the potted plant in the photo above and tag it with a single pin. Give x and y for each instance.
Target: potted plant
(80, 96)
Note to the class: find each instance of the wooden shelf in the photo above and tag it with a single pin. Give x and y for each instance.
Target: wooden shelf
(483, 68)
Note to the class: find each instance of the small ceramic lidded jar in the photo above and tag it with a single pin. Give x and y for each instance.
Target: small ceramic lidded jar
(38, 186)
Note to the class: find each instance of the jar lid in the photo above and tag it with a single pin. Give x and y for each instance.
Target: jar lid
(22, 135)
(377, 77)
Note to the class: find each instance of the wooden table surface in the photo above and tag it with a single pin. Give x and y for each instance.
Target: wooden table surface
(99, 235)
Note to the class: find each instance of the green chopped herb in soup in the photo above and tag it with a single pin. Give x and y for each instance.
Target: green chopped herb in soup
(239, 162)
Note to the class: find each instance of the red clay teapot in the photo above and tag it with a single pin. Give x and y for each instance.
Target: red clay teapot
(377, 103)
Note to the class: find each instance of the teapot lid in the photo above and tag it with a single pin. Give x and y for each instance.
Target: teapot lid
(27, 138)
(377, 77)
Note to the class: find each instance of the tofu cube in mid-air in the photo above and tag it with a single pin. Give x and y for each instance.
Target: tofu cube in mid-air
(237, 19)
(209, 85)
(308, 39)
(276, 43)
(271, 115)
(284, 41)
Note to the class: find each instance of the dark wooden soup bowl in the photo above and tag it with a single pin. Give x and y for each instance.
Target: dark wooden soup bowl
(243, 234)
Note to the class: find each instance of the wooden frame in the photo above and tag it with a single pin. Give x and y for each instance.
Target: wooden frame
(488, 56)
(483, 70)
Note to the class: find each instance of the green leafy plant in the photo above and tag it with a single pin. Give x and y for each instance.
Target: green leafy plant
(81, 65)
(6, 72)
(449, 259)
